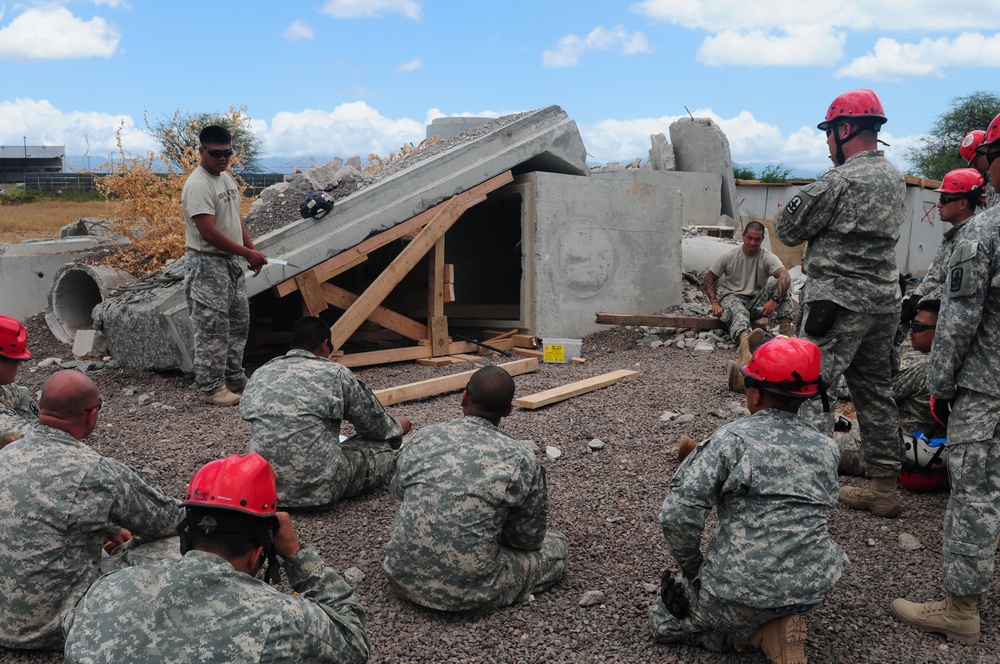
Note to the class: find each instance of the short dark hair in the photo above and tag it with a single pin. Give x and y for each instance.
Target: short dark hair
(491, 389)
(931, 305)
(754, 226)
(229, 535)
(215, 135)
(309, 332)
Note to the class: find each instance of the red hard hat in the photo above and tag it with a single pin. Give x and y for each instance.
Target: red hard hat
(13, 339)
(971, 141)
(860, 103)
(924, 481)
(788, 366)
(992, 136)
(963, 181)
(241, 483)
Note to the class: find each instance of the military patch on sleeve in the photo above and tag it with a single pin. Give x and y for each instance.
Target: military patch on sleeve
(960, 273)
(793, 204)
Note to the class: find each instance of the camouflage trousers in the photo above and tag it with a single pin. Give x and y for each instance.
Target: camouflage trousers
(216, 295)
(972, 520)
(852, 458)
(365, 465)
(737, 308)
(859, 347)
(712, 624)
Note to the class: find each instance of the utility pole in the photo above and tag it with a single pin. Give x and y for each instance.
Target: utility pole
(25, 138)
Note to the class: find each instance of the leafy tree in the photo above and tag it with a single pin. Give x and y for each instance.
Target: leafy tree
(775, 174)
(178, 138)
(938, 152)
(743, 172)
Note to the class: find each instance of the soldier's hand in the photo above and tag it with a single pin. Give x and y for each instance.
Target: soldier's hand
(256, 260)
(286, 541)
(405, 423)
(673, 596)
(717, 309)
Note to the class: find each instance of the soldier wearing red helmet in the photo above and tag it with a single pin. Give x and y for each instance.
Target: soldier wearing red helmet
(965, 396)
(967, 149)
(18, 411)
(209, 606)
(771, 472)
(851, 301)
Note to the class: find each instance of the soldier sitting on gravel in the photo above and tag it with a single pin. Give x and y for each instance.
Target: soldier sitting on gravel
(771, 477)
(18, 411)
(61, 501)
(471, 533)
(208, 607)
(295, 404)
(740, 288)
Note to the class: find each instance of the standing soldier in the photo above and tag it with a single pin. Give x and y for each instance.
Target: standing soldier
(964, 384)
(851, 218)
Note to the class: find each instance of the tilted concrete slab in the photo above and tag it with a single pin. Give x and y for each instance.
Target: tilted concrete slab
(701, 146)
(144, 325)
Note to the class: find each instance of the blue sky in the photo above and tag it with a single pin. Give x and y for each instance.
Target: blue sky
(342, 77)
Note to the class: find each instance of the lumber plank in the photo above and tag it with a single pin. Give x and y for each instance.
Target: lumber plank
(569, 390)
(525, 340)
(695, 322)
(445, 361)
(396, 354)
(443, 384)
(527, 352)
(343, 299)
(312, 295)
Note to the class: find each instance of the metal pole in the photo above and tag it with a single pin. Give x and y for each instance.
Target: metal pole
(25, 162)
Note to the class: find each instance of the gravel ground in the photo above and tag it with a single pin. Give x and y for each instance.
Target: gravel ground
(605, 501)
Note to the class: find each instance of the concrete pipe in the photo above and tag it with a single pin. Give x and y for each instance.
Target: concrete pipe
(699, 252)
(76, 290)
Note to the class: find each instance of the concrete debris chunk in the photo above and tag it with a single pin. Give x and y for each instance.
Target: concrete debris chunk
(592, 598)
(353, 576)
(908, 542)
(553, 452)
(596, 444)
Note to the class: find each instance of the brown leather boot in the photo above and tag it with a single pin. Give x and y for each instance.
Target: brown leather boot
(783, 640)
(956, 617)
(880, 497)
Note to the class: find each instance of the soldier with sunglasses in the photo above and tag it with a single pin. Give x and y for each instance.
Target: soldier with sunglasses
(214, 288)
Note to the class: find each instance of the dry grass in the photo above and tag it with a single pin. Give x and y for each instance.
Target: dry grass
(31, 221)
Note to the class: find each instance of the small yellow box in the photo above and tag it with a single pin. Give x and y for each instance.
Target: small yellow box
(560, 351)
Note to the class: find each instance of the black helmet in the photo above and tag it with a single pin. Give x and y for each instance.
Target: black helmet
(317, 205)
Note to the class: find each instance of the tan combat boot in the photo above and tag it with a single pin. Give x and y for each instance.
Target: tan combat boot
(880, 497)
(785, 327)
(223, 398)
(735, 381)
(755, 340)
(685, 446)
(744, 348)
(783, 640)
(957, 617)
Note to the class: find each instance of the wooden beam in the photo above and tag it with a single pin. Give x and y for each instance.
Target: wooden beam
(564, 392)
(527, 352)
(387, 318)
(397, 354)
(452, 383)
(350, 257)
(312, 294)
(696, 322)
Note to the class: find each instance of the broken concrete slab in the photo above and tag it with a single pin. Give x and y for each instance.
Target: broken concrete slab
(701, 146)
(546, 140)
(700, 192)
(27, 270)
(661, 154)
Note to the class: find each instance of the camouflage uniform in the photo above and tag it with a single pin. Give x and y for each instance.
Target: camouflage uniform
(909, 391)
(771, 477)
(59, 502)
(992, 195)
(295, 404)
(930, 286)
(471, 532)
(18, 412)
(738, 303)
(216, 294)
(201, 609)
(963, 368)
(851, 218)
(737, 308)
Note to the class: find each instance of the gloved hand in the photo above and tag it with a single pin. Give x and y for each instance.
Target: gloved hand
(909, 309)
(941, 410)
(672, 594)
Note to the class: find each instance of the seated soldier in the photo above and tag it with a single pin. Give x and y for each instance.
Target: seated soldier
(740, 288)
(295, 404)
(770, 476)
(61, 503)
(471, 533)
(208, 606)
(925, 460)
(18, 411)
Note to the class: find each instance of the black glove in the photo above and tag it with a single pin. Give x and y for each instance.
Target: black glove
(909, 309)
(672, 594)
(941, 410)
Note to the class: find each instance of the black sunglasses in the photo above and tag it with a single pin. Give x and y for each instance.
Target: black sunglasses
(992, 156)
(216, 154)
(944, 201)
(921, 327)
(100, 404)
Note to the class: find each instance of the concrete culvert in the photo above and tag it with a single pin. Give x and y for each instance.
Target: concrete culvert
(76, 289)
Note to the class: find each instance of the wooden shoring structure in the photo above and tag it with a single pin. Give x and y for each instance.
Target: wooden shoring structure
(431, 337)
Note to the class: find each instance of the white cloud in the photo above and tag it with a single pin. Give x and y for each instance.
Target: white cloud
(41, 123)
(114, 4)
(53, 33)
(412, 65)
(893, 60)
(780, 32)
(299, 31)
(803, 46)
(571, 48)
(371, 8)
